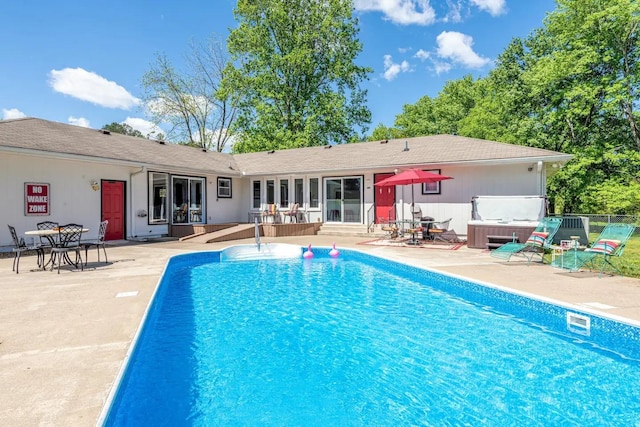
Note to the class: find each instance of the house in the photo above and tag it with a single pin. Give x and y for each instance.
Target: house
(148, 188)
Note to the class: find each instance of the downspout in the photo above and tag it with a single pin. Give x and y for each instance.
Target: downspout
(542, 190)
(132, 215)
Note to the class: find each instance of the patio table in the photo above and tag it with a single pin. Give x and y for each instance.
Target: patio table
(50, 235)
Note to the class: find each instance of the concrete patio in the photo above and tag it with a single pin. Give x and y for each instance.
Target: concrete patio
(64, 337)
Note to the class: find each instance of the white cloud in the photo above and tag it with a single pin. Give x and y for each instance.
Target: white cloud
(391, 69)
(441, 67)
(79, 121)
(494, 7)
(404, 49)
(12, 113)
(422, 55)
(404, 12)
(145, 127)
(455, 11)
(457, 48)
(89, 86)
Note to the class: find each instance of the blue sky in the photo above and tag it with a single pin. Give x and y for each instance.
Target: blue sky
(82, 62)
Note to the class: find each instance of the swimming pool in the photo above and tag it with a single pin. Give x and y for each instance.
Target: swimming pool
(363, 341)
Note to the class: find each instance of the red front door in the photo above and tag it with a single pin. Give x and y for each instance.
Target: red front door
(385, 198)
(113, 209)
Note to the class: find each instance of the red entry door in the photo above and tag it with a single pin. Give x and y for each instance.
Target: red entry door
(384, 199)
(113, 209)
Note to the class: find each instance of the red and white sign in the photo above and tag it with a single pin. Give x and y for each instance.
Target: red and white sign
(36, 199)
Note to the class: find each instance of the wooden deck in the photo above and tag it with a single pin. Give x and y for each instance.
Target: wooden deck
(212, 233)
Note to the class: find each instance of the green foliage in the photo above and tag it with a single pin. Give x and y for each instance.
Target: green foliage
(295, 78)
(381, 132)
(440, 115)
(123, 128)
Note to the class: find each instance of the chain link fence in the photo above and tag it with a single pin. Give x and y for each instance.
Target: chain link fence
(596, 222)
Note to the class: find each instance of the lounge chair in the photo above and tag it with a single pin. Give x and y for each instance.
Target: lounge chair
(19, 247)
(536, 244)
(610, 243)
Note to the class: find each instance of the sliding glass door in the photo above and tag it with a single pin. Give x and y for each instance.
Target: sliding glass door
(343, 200)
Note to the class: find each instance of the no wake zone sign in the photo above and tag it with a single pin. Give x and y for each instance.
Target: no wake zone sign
(36, 198)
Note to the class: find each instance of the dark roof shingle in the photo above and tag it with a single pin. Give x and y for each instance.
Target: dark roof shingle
(51, 137)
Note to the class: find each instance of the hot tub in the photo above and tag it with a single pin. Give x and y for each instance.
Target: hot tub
(509, 216)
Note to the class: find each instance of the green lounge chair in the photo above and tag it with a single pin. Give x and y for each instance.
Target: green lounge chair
(610, 243)
(536, 244)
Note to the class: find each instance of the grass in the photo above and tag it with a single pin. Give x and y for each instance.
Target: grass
(628, 263)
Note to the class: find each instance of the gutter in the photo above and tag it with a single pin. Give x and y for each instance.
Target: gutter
(132, 200)
(116, 162)
(560, 159)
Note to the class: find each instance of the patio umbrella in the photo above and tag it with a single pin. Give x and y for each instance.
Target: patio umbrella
(410, 177)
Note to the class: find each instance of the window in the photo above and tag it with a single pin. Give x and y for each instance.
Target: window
(158, 198)
(187, 199)
(256, 195)
(224, 187)
(284, 193)
(298, 191)
(271, 191)
(314, 193)
(431, 187)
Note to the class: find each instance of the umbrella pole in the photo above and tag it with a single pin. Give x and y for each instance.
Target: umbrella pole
(402, 206)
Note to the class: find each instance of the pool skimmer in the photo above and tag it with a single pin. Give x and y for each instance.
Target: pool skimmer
(578, 323)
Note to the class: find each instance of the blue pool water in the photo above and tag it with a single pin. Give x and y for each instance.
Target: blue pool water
(359, 341)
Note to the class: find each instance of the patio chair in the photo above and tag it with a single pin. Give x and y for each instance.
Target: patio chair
(292, 213)
(181, 214)
(19, 247)
(438, 231)
(69, 236)
(610, 243)
(99, 242)
(271, 211)
(391, 229)
(536, 244)
(46, 241)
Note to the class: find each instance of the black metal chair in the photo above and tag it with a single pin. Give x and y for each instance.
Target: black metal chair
(19, 247)
(102, 231)
(69, 236)
(47, 241)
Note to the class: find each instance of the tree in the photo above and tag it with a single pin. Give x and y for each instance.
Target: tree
(440, 115)
(591, 66)
(192, 103)
(123, 128)
(295, 76)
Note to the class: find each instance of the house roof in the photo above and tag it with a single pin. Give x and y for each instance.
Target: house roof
(45, 137)
(409, 152)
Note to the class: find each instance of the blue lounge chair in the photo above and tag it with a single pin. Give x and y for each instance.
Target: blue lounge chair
(610, 243)
(536, 244)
